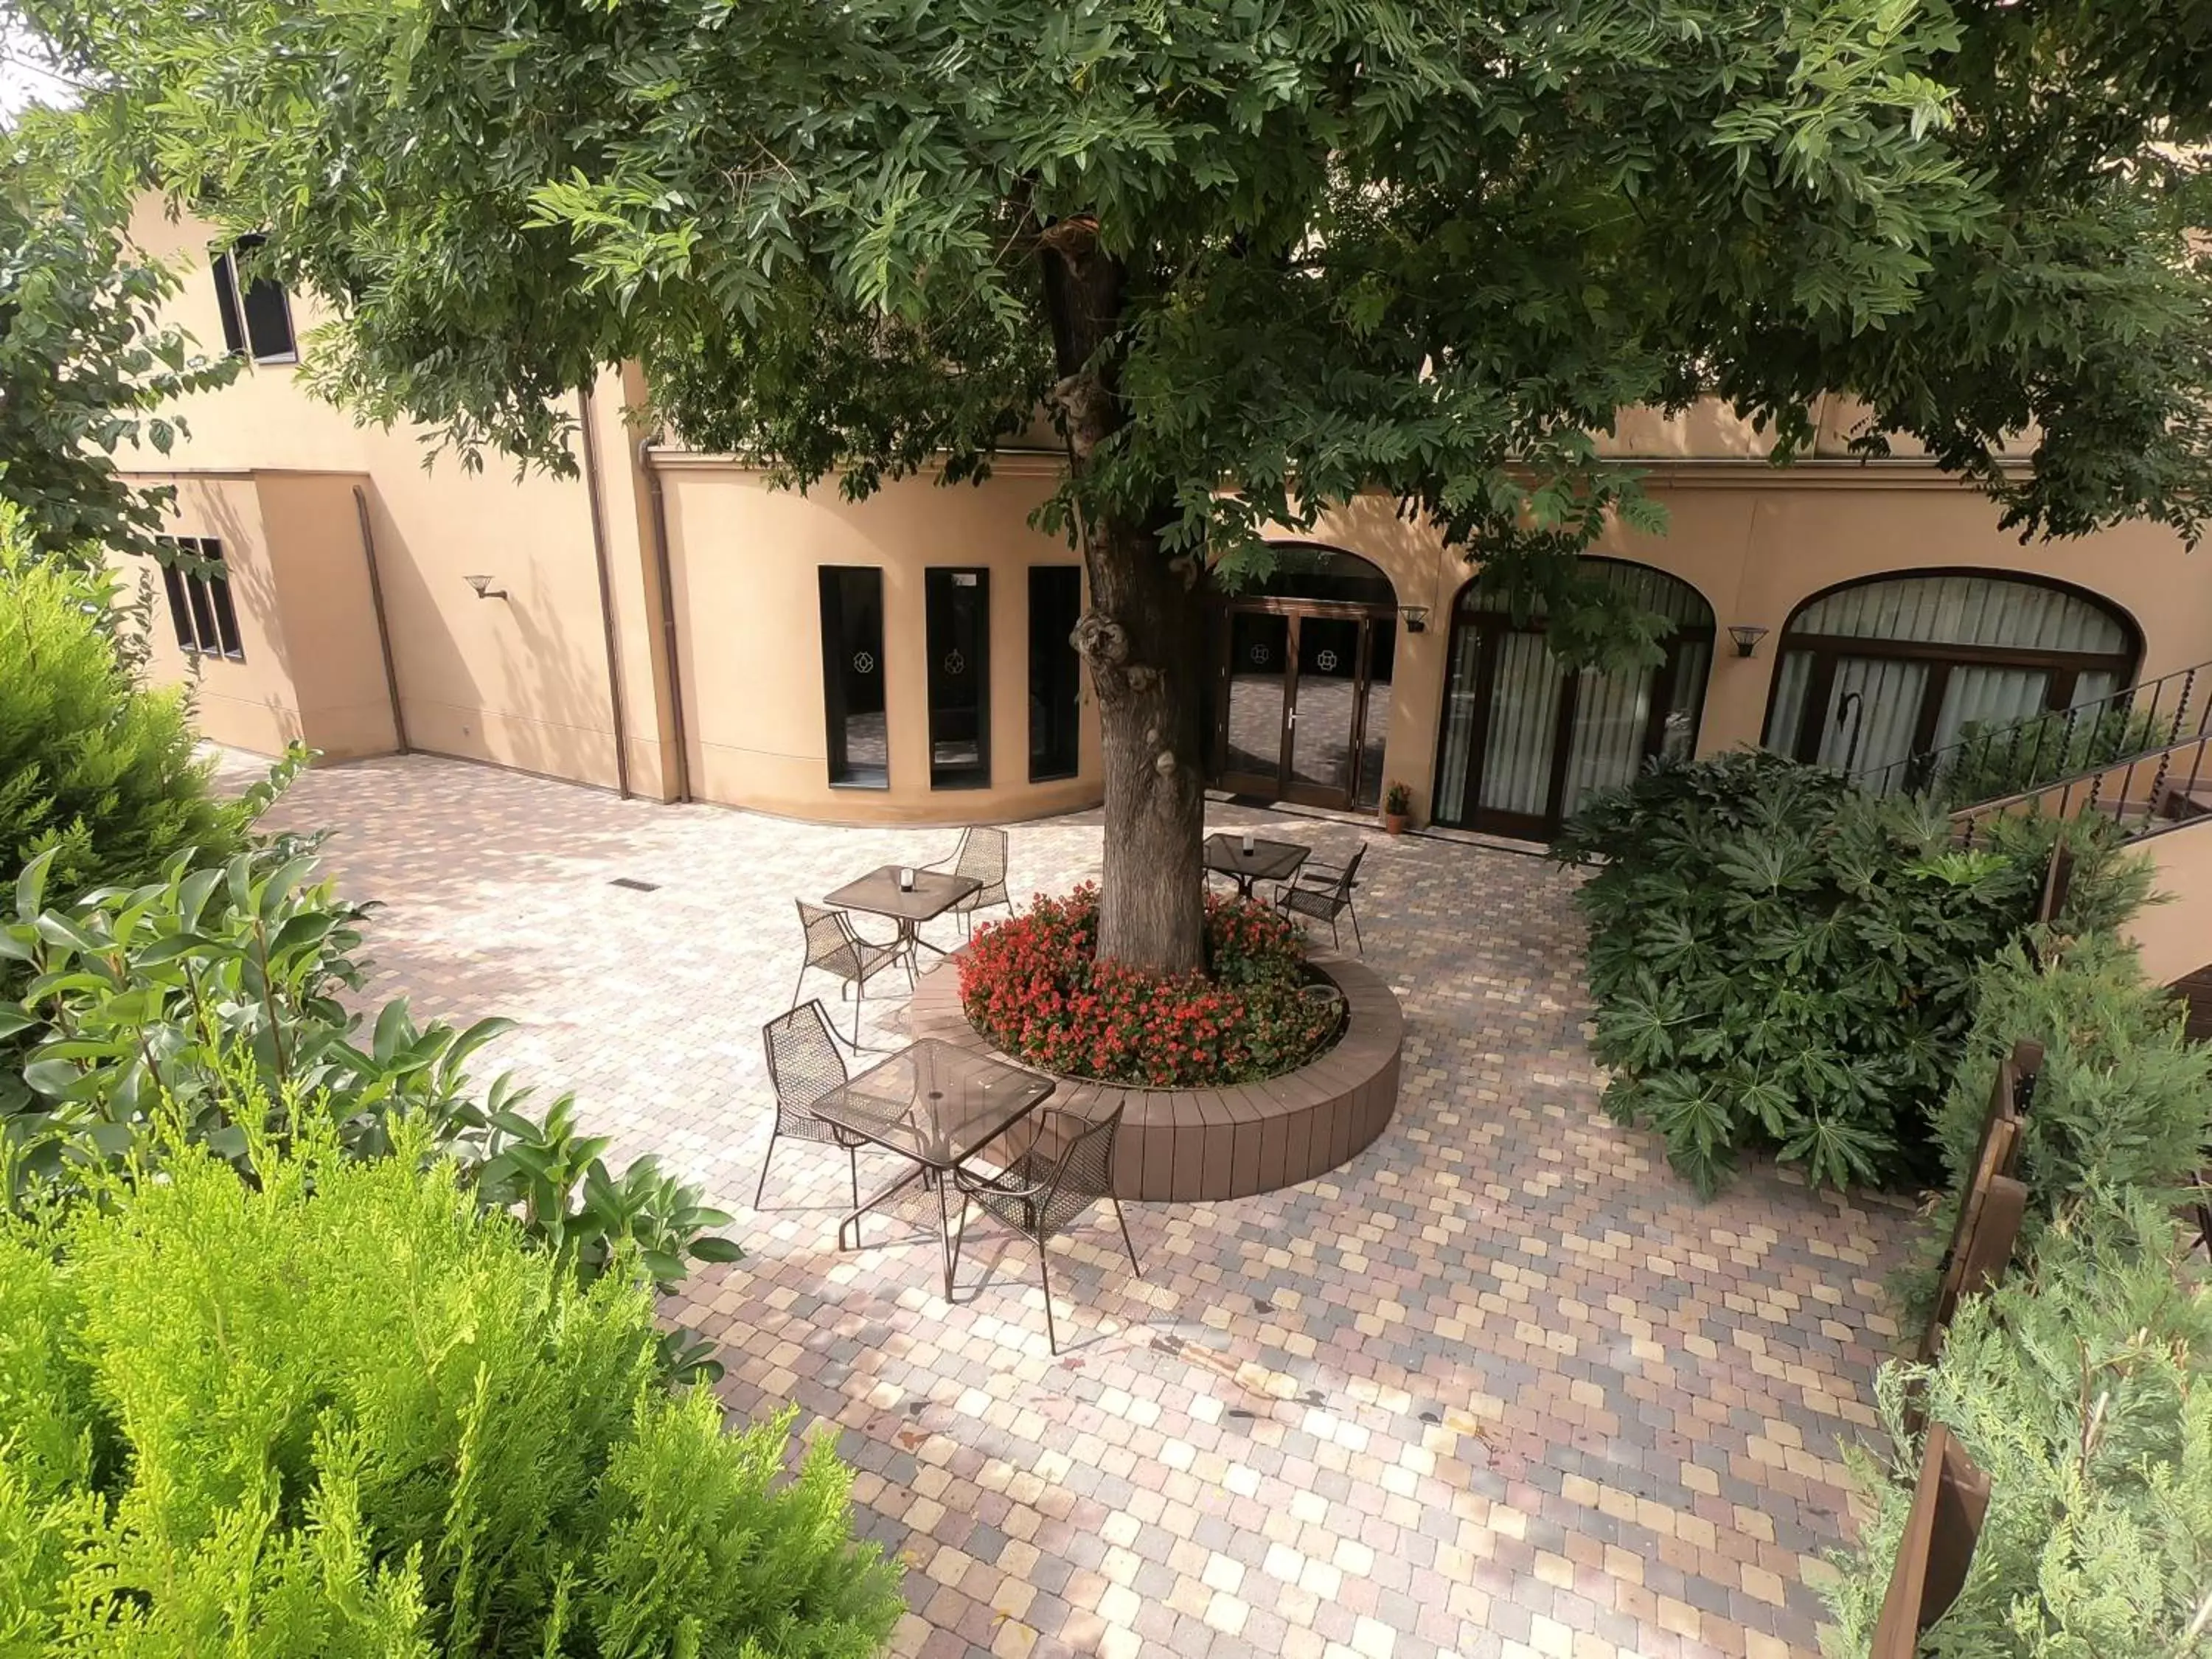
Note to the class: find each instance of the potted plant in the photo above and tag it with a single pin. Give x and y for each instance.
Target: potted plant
(1397, 807)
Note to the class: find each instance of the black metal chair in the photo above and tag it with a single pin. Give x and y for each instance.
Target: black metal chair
(1323, 892)
(980, 855)
(803, 1065)
(1064, 1169)
(833, 946)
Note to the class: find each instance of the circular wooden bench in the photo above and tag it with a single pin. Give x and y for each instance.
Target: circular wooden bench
(1203, 1143)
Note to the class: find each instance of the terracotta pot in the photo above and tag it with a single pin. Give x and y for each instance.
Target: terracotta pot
(1394, 824)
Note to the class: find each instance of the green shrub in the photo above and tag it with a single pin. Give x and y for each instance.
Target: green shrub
(212, 996)
(2079, 1387)
(1996, 760)
(1780, 960)
(2123, 1099)
(338, 1409)
(93, 767)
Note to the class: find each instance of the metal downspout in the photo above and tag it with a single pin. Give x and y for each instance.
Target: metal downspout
(661, 574)
(383, 627)
(606, 592)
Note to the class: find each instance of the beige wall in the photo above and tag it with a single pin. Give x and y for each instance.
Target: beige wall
(254, 702)
(2175, 936)
(743, 560)
(521, 681)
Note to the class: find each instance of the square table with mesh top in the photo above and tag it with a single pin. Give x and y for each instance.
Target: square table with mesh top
(1268, 861)
(936, 1106)
(878, 893)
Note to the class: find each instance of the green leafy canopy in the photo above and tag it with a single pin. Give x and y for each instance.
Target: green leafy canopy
(87, 369)
(1429, 249)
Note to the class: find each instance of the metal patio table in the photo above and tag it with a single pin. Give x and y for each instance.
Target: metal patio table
(1268, 861)
(878, 894)
(936, 1106)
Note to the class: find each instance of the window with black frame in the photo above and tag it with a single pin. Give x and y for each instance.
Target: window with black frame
(197, 584)
(257, 317)
(1055, 671)
(958, 630)
(853, 676)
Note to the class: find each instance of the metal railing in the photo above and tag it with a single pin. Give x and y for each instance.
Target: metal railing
(2143, 793)
(2039, 749)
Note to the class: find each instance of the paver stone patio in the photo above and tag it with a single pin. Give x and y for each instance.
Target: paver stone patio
(1501, 1386)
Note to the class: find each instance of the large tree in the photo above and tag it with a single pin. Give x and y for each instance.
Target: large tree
(1255, 255)
(87, 368)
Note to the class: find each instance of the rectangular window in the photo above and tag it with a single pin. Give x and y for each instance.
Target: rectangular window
(853, 676)
(1055, 671)
(958, 630)
(199, 586)
(258, 318)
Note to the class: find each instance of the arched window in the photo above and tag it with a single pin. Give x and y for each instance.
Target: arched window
(1872, 674)
(1525, 740)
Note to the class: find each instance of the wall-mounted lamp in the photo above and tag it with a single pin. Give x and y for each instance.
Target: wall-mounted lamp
(1417, 617)
(1747, 636)
(483, 587)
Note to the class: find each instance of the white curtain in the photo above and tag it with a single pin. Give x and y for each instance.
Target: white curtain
(1991, 695)
(1965, 610)
(1611, 713)
(1686, 698)
(1461, 695)
(1789, 702)
(1524, 709)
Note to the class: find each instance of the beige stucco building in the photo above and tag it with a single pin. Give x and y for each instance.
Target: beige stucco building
(667, 623)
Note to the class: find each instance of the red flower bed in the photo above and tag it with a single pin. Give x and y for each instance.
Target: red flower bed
(1031, 986)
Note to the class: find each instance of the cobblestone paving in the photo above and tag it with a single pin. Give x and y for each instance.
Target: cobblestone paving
(1501, 1386)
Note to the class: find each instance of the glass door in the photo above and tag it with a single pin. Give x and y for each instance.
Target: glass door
(1255, 701)
(1325, 709)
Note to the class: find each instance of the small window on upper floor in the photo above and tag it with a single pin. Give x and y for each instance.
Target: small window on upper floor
(256, 318)
(200, 609)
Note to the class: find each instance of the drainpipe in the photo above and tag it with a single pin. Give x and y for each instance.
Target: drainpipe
(607, 590)
(383, 627)
(660, 571)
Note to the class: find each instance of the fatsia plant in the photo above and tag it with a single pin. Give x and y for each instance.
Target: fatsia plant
(1253, 259)
(214, 996)
(1781, 961)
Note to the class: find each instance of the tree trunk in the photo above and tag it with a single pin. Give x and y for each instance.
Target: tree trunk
(1141, 638)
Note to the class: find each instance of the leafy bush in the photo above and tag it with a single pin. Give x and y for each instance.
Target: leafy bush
(1032, 985)
(213, 992)
(2079, 1387)
(1993, 761)
(1781, 960)
(94, 768)
(2123, 1102)
(337, 1409)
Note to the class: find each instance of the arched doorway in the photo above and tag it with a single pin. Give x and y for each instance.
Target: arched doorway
(1877, 672)
(1300, 702)
(1526, 739)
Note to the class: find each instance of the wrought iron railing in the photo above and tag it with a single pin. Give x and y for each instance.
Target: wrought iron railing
(2143, 793)
(1996, 761)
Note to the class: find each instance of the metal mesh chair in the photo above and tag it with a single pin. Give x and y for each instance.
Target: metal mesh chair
(1062, 1171)
(834, 947)
(1323, 891)
(803, 1065)
(980, 856)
